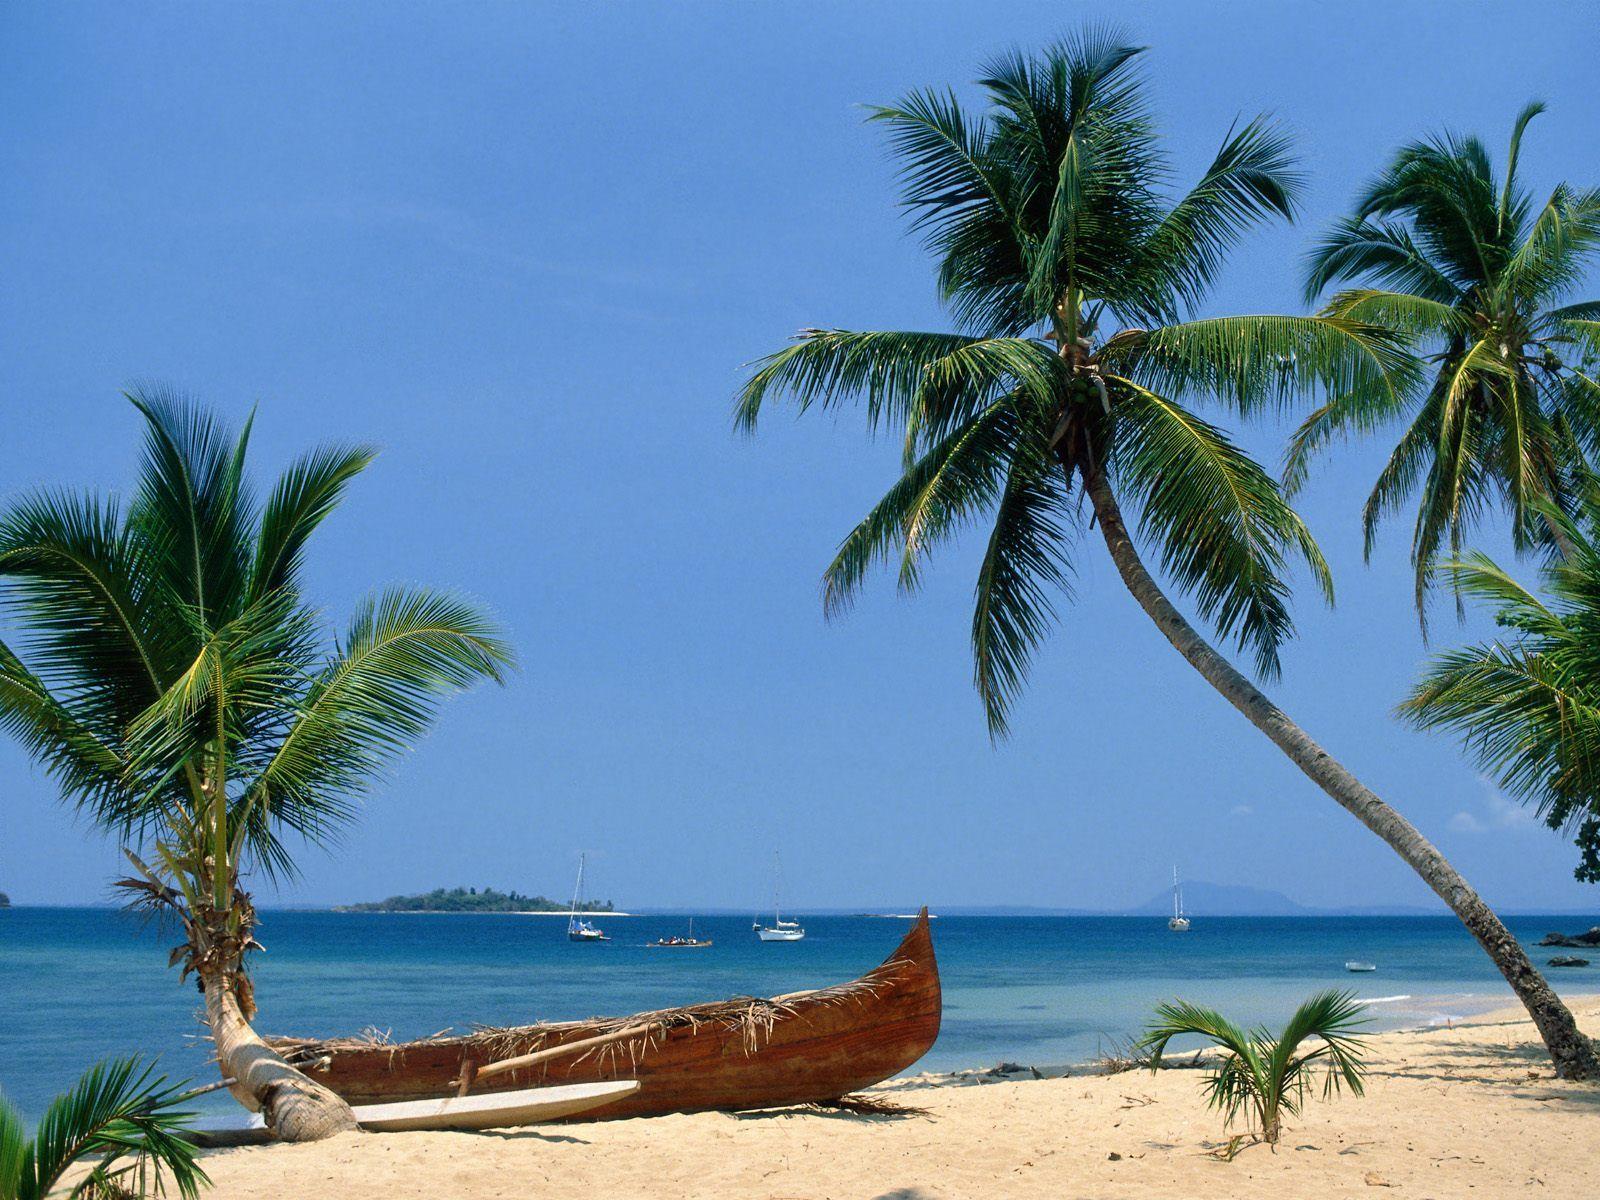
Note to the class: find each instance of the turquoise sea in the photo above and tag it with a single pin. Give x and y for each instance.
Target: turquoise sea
(77, 984)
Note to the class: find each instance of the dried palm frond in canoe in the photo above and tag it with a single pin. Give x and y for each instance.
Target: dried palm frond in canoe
(736, 1054)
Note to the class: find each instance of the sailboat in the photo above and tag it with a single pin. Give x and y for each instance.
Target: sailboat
(1178, 923)
(780, 930)
(578, 929)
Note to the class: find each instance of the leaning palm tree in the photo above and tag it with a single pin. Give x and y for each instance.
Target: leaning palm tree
(168, 672)
(1459, 264)
(120, 1117)
(1070, 278)
(1264, 1077)
(1528, 704)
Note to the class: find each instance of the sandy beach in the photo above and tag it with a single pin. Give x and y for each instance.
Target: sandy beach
(1449, 1112)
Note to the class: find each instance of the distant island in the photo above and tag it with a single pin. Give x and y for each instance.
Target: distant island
(5, 900)
(471, 900)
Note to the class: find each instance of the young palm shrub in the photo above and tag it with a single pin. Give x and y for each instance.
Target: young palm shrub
(1528, 705)
(1462, 265)
(1264, 1077)
(175, 683)
(1062, 404)
(121, 1117)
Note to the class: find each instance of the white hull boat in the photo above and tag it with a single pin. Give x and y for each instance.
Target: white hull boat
(1178, 923)
(780, 930)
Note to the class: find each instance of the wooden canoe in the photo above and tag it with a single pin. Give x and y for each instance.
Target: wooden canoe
(737, 1054)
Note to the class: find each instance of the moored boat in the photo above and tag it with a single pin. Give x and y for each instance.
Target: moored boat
(736, 1054)
(780, 930)
(578, 928)
(1178, 923)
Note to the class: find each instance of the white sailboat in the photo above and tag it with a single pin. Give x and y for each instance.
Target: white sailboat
(579, 929)
(780, 930)
(1178, 923)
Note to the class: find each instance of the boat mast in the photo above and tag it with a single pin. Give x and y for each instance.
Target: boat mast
(577, 890)
(1177, 896)
(777, 883)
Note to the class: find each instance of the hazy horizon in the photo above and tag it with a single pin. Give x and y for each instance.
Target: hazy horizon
(526, 250)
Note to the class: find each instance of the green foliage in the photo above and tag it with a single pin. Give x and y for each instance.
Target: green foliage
(1528, 705)
(121, 1120)
(1263, 1077)
(166, 670)
(1462, 268)
(473, 900)
(1072, 276)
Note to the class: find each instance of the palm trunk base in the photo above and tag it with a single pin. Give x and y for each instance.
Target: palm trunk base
(295, 1107)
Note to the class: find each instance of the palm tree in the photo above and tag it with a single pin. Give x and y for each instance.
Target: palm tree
(1267, 1077)
(1528, 705)
(173, 680)
(129, 1122)
(1457, 263)
(1069, 275)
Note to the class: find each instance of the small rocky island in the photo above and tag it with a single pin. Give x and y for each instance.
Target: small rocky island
(1576, 941)
(471, 900)
(5, 900)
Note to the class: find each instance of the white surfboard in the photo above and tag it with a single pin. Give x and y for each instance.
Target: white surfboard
(492, 1110)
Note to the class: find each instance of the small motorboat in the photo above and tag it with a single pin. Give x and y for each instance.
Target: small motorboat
(1360, 966)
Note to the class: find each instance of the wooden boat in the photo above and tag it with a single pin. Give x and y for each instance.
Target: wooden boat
(737, 1054)
(499, 1110)
(680, 943)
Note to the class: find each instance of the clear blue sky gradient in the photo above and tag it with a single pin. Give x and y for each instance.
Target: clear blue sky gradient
(526, 248)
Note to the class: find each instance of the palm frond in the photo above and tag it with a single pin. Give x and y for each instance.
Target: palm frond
(1252, 178)
(941, 491)
(1255, 361)
(304, 496)
(1220, 520)
(406, 649)
(1527, 707)
(192, 508)
(126, 1119)
(1025, 563)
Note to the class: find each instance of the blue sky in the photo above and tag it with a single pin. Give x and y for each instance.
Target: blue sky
(527, 249)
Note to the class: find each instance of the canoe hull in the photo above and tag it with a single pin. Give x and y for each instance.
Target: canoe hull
(809, 1046)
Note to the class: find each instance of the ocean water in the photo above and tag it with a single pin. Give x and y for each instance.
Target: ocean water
(79, 984)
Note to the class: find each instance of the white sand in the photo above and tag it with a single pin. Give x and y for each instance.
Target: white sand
(1470, 1111)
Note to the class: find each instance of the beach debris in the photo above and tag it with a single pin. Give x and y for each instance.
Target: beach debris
(1373, 1179)
(1003, 1069)
(866, 1105)
(1568, 960)
(1113, 1157)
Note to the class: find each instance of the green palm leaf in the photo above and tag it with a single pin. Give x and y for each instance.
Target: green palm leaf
(120, 1117)
(1221, 523)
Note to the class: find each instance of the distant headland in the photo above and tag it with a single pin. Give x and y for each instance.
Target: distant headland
(471, 900)
(5, 900)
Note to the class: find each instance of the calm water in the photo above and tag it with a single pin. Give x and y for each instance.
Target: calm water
(78, 984)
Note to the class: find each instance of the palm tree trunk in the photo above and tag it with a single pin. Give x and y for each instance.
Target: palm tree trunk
(296, 1108)
(1574, 1054)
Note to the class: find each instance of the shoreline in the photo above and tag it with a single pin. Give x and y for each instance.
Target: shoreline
(445, 912)
(1472, 1108)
